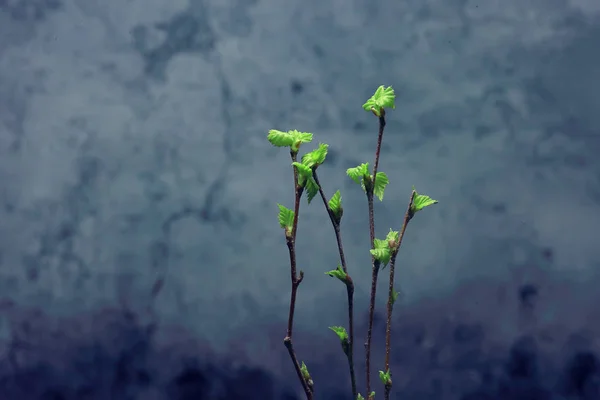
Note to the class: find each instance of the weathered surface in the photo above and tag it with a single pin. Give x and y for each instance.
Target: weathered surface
(133, 151)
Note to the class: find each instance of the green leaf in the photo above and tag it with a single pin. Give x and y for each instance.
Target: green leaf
(304, 137)
(392, 235)
(303, 170)
(299, 138)
(306, 180)
(392, 239)
(286, 218)
(311, 189)
(280, 139)
(382, 255)
(383, 98)
(421, 201)
(292, 139)
(394, 296)
(380, 183)
(385, 377)
(340, 331)
(357, 174)
(315, 157)
(372, 395)
(380, 244)
(337, 273)
(382, 252)
(304, 371)
(335, 204)
(359, 397)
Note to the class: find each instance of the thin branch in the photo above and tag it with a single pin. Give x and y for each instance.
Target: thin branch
(369, 186)
(379, 140)
(349, 286)
(296, 280)
(390, 304)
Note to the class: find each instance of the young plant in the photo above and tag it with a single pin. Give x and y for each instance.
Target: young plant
(383, 251)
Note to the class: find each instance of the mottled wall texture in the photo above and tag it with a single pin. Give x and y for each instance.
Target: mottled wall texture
(140, 254)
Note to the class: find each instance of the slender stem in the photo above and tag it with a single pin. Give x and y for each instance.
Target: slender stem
(390, 303)
(379, 140)
(349, 286)
(376, 264)
(296, 280)
(295, 283)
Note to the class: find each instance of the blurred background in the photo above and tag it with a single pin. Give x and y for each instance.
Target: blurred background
(140, 254)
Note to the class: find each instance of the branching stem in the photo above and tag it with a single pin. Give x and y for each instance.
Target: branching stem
(296, 280)
(390, 304)
(349, 286)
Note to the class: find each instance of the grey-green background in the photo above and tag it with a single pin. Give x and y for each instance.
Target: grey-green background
(133, 148)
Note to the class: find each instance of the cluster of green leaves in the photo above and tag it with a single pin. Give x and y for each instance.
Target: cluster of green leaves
(384, 97)
(384, 249)
(362, 176)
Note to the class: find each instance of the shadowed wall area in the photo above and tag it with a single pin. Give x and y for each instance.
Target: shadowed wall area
(140, 254)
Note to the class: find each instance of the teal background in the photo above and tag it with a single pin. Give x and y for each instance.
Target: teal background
(133, 153)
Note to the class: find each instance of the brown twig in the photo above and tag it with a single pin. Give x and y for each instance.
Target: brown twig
(390, 304)
(349, 286)
(296, 280)
(369, 187)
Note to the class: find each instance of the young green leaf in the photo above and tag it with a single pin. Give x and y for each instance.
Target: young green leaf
(303, 170)
(392, 235)
(311, 189)
(304, 371)
(315, 157)
(393, 240)
(359, 397)
(280, 139)
(380, 183)
(385, 377)
(340, 331)
(382, 252)
(304, 137)
(299, 138)
(382, 255)
(286, 218)
(394, 296)
(307, 180)
(302, 173)
(421, 201)
(337, 273)
(357, 174)
(335, 204)
(383, 98)
(343, 335)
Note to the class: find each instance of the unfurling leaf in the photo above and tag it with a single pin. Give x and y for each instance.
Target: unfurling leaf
(382, 252)
(279, 138)
(335, 204)
(359, 174)
(380, 183)
(286, 218)
(315, 157)
(382, 98)
(421, 201)
(340, 331)
(338, 273)
(385, 377)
